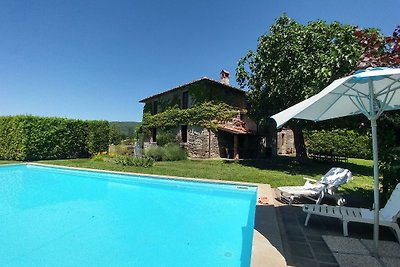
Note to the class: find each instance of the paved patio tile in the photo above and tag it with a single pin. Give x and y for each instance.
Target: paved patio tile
(356, 260)
(314, 237)
(304, 262)
(329, 265)
(300, 249)
(326, 258)
(386, 248)
(306, 246)
(319, 247)
(391, 262)
(298, 239)
(346, 245)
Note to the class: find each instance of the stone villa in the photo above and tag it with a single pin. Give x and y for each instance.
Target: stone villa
(239, 138)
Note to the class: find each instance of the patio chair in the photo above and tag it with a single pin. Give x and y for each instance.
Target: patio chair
(388, 215)
(317, 190)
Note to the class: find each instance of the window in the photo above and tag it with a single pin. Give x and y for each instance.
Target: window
(184, 133)
(185, 100)
(155, 107)
(154, 135)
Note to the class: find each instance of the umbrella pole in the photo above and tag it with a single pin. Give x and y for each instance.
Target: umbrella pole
(376, 185)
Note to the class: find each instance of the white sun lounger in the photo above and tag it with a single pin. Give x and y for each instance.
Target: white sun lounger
(387, 215)
(316, 190)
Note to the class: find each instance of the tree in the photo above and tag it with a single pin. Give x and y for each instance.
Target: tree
(378, 50)
(384, 51)
(293, 62)
(116, 136)
(389, 150)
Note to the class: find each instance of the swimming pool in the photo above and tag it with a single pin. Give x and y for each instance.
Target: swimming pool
(60, 217)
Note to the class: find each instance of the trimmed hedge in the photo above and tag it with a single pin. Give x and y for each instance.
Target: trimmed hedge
(341, 141)
(98, 136)
(26, 137)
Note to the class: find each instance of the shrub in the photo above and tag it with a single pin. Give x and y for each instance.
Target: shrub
(165, 138)
(172, 152)
(389, 151)
(99, 157)
(155, 152)
(27, 137)
(342, 141)
(122, 149)
(97, 136)
(132, 161)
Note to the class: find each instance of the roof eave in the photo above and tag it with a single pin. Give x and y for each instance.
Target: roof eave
(187, 84)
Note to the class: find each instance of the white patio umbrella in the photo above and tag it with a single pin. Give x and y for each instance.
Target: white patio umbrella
(369, 92)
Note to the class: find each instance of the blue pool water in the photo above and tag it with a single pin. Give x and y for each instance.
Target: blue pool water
(60, 217)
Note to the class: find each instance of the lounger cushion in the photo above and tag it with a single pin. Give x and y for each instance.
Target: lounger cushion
(316, 187)
(336, 176)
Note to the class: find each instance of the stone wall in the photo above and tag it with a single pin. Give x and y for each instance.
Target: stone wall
(202, 143)
(285, 142)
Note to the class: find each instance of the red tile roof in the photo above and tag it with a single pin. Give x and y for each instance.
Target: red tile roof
(234, 129)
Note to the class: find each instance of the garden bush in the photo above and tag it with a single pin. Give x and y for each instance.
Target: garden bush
(122, 149)
(27, 137)
(165, 138)
(342, 141)
(97, 136)
(133, 161)
(103, 156)
(389, 151)
(155, 152)
(172, 152)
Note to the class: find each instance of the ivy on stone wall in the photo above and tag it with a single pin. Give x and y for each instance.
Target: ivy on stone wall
(203, 92)
(207, 114)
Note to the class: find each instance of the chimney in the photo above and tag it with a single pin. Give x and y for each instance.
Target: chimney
(225, 77)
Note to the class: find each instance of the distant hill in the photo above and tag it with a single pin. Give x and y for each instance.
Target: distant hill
(125, 127)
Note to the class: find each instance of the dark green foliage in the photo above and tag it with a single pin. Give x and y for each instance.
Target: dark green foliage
(166, 137)
(341, 141)
(132, 161)
(100, 157)
(154, 152)
(28, 137)
(115, 135)
(206, 114)
(11, 144)
(172, 152)
(121, 149)
(389, 150)
(380, 51)
(97, 136)
(293, 62)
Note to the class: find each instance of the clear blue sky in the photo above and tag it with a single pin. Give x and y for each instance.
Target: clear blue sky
(96, 59)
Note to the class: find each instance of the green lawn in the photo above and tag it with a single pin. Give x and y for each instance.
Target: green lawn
(7, 162)
(275, 171)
